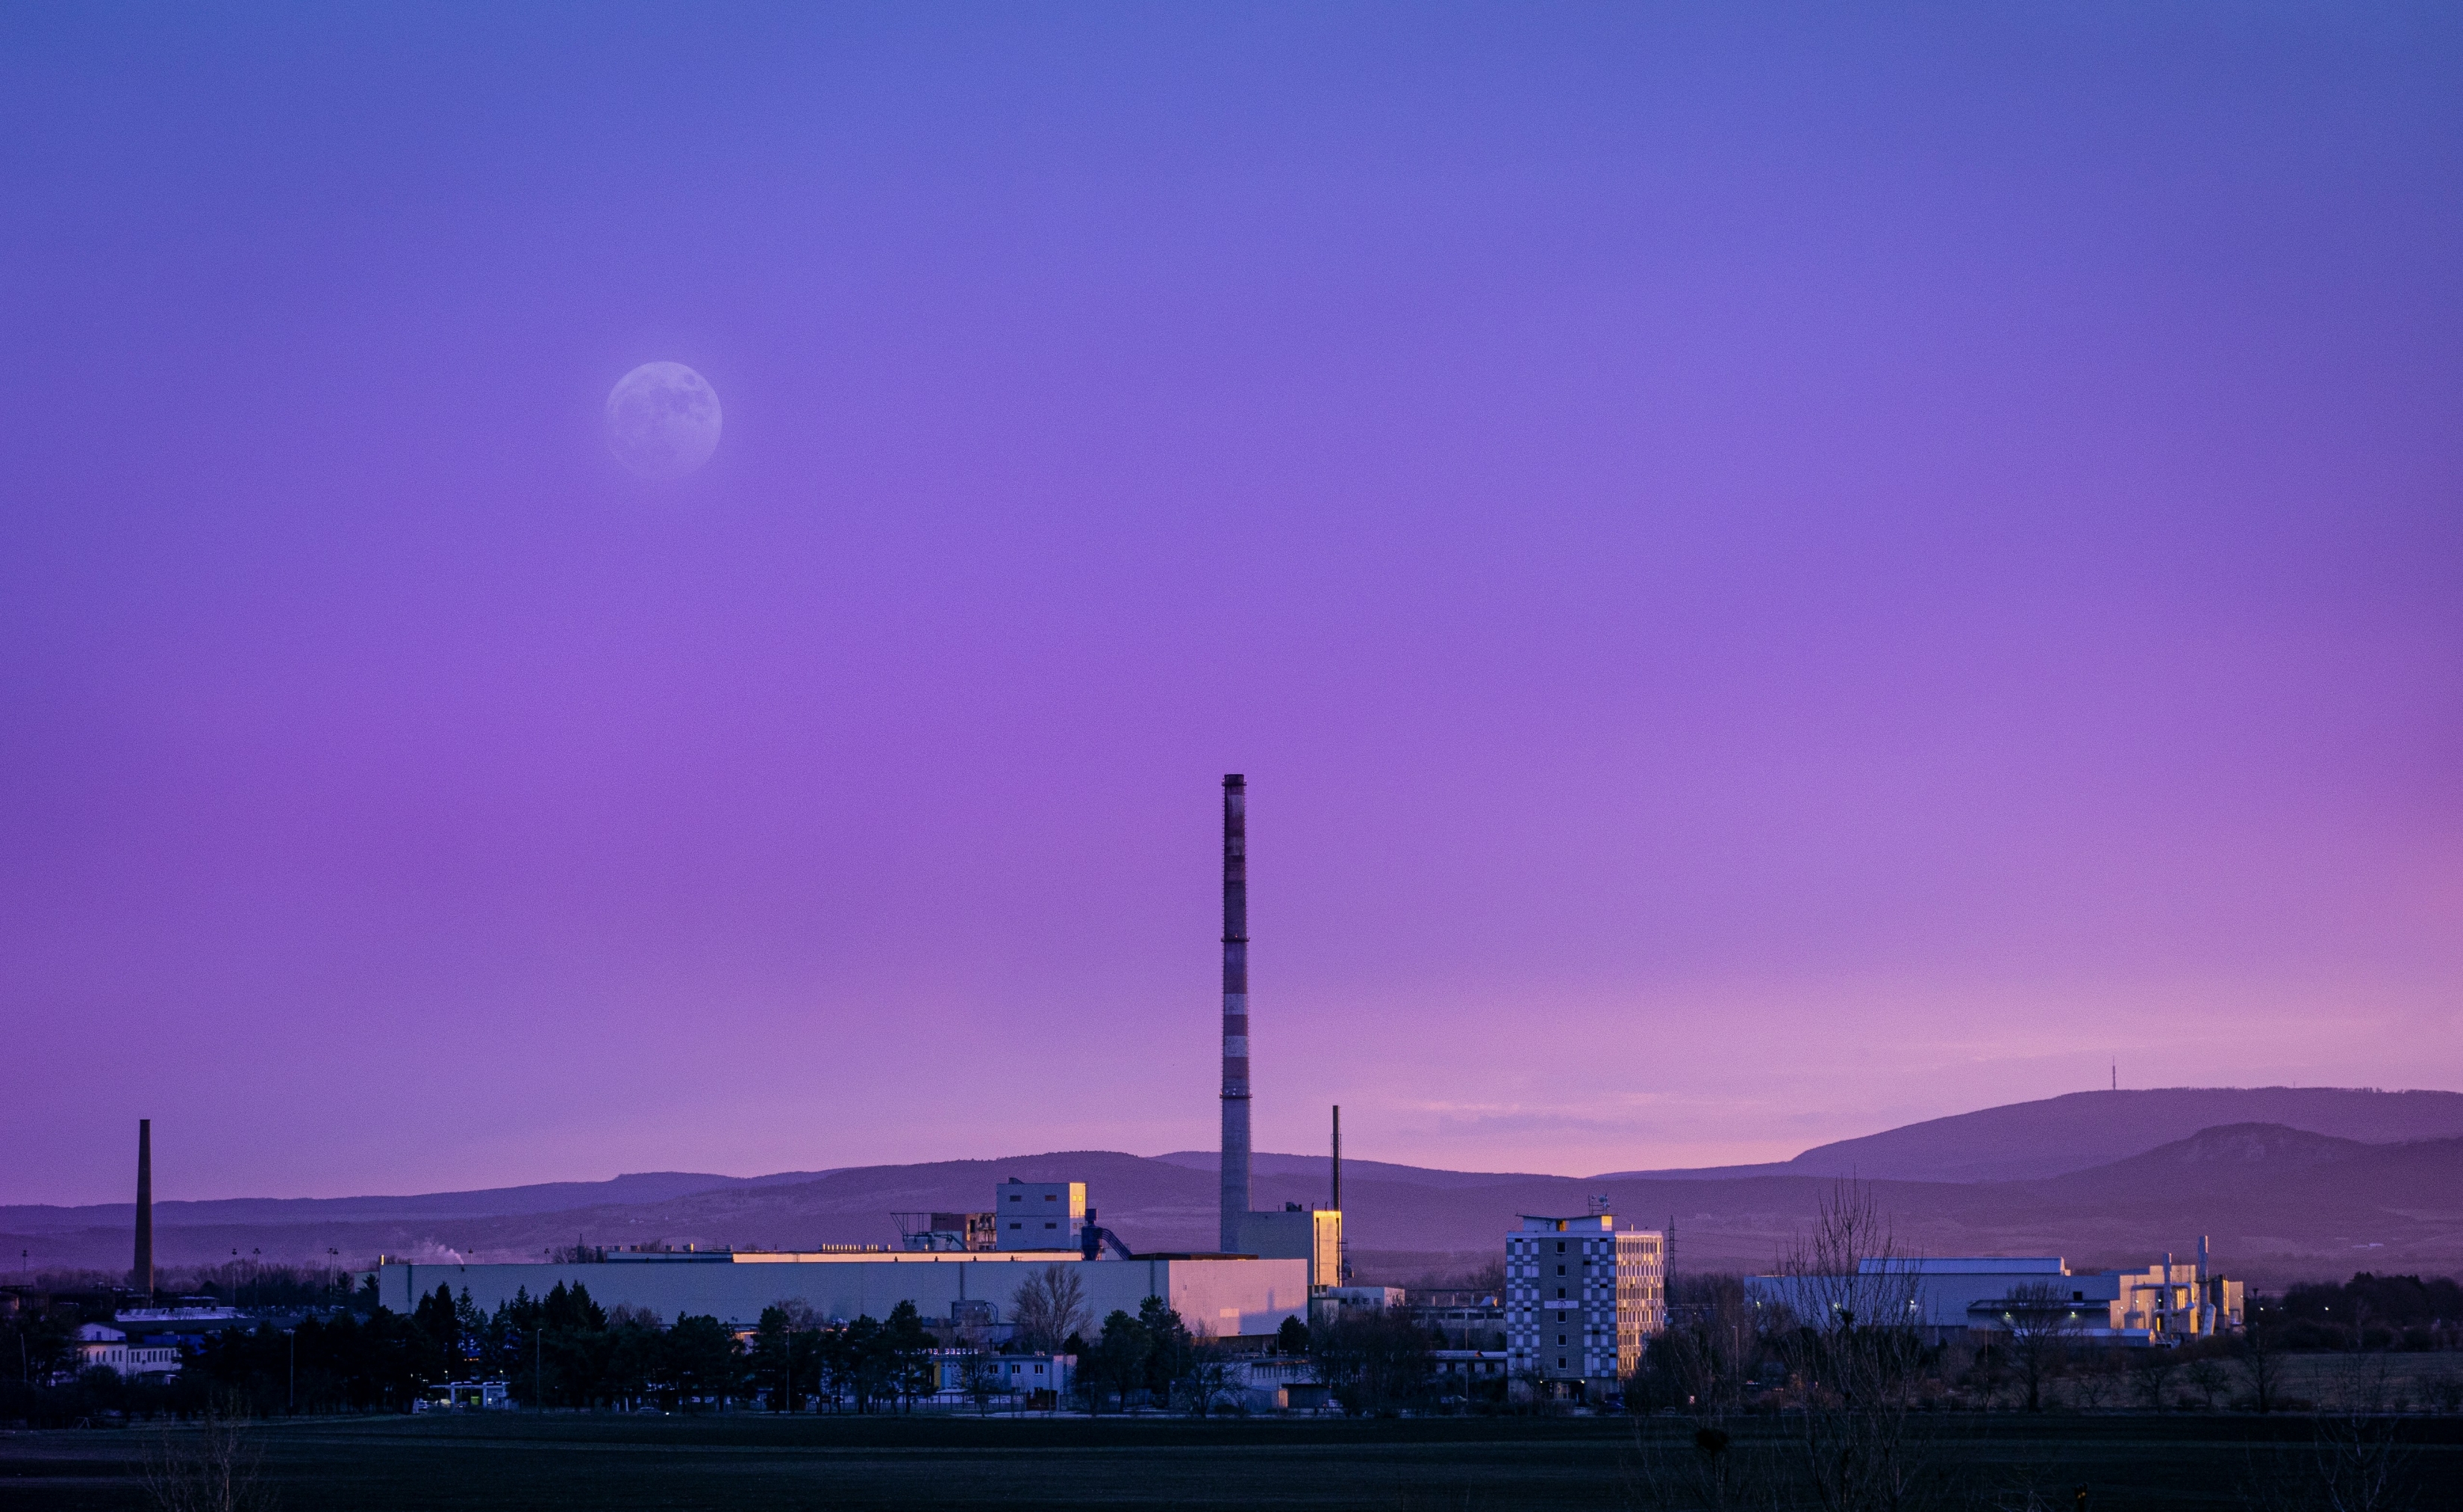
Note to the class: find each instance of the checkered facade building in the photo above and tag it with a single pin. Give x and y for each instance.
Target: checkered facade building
(1581, 1297)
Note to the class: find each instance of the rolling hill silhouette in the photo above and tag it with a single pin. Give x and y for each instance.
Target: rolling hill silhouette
(2280, 1200)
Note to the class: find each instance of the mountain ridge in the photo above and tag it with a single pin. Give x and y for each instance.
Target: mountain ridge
(2273, 1194)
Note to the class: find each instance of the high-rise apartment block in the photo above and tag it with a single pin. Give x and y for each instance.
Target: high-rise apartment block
(1581, 1297)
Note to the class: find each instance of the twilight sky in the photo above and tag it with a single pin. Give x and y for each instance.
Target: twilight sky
(1773, 571)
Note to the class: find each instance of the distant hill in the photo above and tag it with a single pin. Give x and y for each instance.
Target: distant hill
(547, 1197)
(2280, 1200)
(2020, 1141)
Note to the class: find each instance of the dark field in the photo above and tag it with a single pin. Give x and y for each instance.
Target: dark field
(749, 1459)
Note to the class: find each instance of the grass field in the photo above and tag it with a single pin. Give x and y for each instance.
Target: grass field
(741, 1460)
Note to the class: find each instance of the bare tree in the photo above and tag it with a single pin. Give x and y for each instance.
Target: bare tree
(211, 1467)
(2261, 1360)
(1049, 1307)
(1706, 1360)
(2095, 1380)
(2150, 1376)
(2040, 1322)
(1370, 1359)
(2362, 1463)
(1707, 1468)
(979, 1373)
(2208, 1378)
(1208, 1382)
(1854, 1356)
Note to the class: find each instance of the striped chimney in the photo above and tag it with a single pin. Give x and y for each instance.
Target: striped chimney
(1236, 1008)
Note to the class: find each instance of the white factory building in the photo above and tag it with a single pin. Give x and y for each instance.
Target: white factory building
(2169, 1302)
(955, 1262)
(1218, 1296)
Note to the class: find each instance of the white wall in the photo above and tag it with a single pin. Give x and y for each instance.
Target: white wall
(1222, 1297)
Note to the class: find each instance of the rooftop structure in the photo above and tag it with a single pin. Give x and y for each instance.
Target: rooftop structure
(1038, 1215)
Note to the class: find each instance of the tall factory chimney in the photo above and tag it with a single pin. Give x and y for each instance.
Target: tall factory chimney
(142, 1278)
(1236, 1008)
(1336, 1203)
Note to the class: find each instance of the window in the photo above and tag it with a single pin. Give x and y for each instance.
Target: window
(1051, 1225)
(1560, 1270)
(1560, 1344)
(1561, 1247)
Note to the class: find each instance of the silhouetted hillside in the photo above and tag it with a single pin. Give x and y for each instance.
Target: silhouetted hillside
(547, 1197)
(2081, 1129)
(2280, 1201)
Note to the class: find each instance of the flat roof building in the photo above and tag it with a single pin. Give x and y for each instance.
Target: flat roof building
(1217, 1296)
(1581, 1296)
(1945, 1296)
(1039, 1215)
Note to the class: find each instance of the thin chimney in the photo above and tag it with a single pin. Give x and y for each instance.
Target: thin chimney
(142, 1278)
(1236, 1008)
(1337, 1205)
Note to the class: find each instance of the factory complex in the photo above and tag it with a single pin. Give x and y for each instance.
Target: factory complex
(1947, 1297)
(967, 1268)
(1581, 1296)
(1218, 1296)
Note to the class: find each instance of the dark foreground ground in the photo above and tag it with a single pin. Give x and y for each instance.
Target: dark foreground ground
(732, 1462)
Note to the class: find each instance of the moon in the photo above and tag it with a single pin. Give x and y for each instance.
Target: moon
(662, 420)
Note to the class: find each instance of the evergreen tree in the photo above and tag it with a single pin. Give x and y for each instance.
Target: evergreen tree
(1119, 1356)
(772, 1360)
(703, 1358)
(1171, 1352)
(910, 1350)
(868, 1362)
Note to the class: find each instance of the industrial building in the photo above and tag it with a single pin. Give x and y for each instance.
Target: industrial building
(1954, 1296)
(1581, 1296)
(101, 1345)
(1313, 1235)
(970, 1264)
(1222, 1296)
(1038, 1215)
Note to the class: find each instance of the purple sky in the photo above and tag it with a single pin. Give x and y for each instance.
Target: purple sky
(1773, 573)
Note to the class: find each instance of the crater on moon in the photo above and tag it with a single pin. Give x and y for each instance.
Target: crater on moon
(662, 420)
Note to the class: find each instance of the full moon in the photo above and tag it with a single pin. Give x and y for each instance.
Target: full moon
(662, 420)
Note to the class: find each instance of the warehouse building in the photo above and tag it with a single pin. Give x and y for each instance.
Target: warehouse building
(1219, 1296)
(1947, 1297)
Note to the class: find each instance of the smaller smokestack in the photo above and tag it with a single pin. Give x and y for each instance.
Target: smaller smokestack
(1337, 1205)
(142, 1278)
